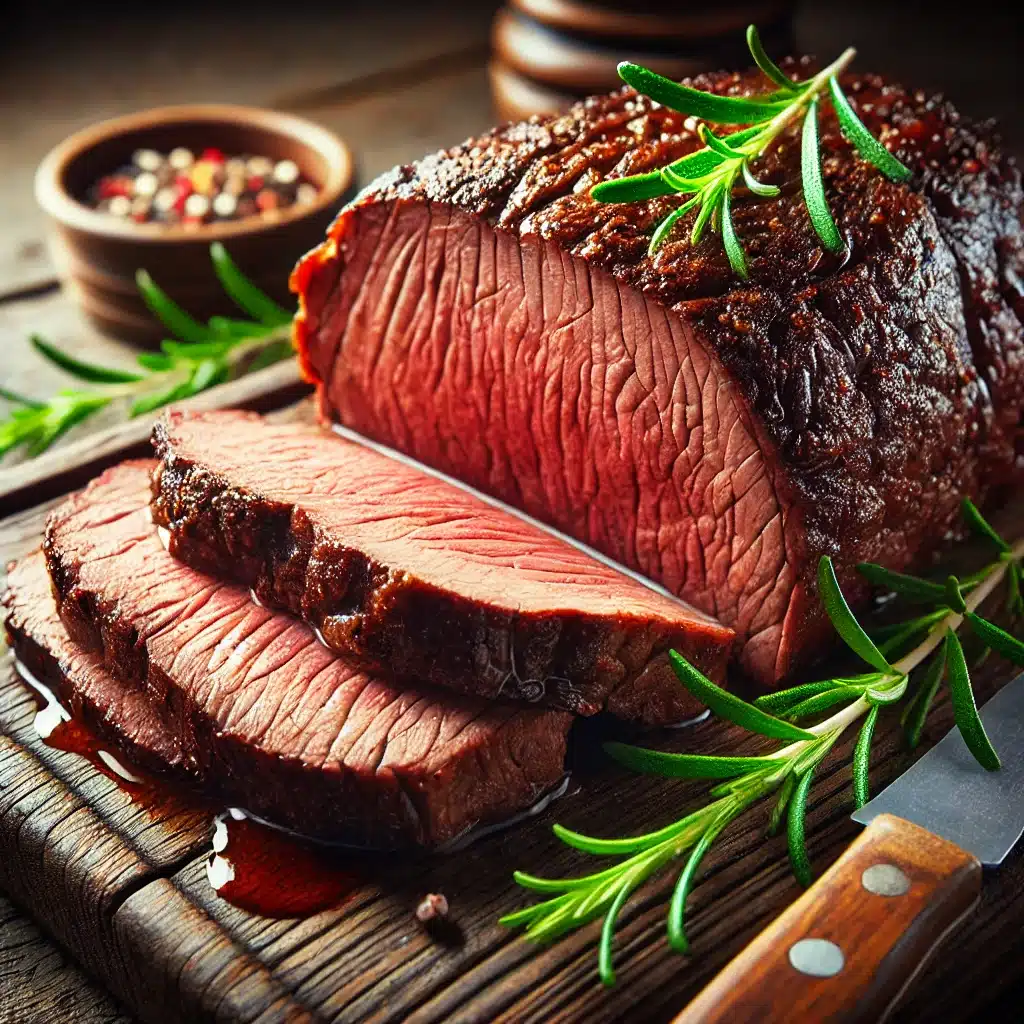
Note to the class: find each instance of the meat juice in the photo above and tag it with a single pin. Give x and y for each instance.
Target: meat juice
(253, 866)
(265, 871)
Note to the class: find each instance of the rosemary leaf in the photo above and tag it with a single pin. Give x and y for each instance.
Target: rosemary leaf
(631, 189)
(703, 161)
(814, 186)
(19, 399)
(844, 620)
(822, 702)
(686, 766)
(977, 522)
(720, 146)
(733, 248)
(244, 293)
(705, 105)
(168, 312)
(236, 329)
(965, 709)
(781, 805)
(79, 368)
(916, 714)
(155, 399)
(997, 639)
(784, 699)
(864, 142)
(954, 598)
(795, 828)
(862, 758)
(666, 227)
(677, 908)
(908, 634)
(911, 587)
(766, 64)
(759, 188)
(604, 953)
(197, 349)
(1014, 600)
(710, 200)
(887, 695)
(732, 708)
(155, 362)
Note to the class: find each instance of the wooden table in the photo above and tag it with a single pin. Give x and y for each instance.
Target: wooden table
(395, 85)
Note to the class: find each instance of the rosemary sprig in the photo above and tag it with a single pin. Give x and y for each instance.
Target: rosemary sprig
(793, 717)
(710, 175)
(203, 355)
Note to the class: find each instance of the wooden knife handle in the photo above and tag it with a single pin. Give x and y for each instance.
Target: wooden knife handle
(847, 949)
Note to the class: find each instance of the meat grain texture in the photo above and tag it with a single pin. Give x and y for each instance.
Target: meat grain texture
(264, 715)
(480, 312)
(410, 575)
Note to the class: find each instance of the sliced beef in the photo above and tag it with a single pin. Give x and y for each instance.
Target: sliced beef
(270, 719)
(480, 312)
(413, 575)
(122, 715)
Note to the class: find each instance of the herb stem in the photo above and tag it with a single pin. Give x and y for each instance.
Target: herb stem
(845, 717)
(756, 146)
(953, 620)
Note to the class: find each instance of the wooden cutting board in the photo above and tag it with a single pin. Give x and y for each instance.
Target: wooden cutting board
(123, 888)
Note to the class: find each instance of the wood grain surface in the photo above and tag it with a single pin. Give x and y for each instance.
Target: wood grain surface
(123, 888)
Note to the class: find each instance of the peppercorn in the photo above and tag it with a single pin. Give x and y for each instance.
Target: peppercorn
(181, 188)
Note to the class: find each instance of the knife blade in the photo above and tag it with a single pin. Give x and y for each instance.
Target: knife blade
(849, 947)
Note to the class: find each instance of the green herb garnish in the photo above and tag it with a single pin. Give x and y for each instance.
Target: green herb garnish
(710, 175)
(203, 355)
(792, 717)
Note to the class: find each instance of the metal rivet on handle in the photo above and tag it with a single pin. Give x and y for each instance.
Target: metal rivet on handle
(885, 880)
(818, 958)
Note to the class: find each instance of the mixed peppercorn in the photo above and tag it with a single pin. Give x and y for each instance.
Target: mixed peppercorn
(184, 189)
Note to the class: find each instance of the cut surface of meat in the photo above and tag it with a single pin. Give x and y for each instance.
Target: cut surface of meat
(480, 312)
(269, 718)
(120, 714)
(415, 576)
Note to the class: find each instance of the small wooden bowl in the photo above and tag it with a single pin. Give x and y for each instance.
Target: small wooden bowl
(98, 255)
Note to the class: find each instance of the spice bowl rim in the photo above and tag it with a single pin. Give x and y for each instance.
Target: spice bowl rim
(59, 203)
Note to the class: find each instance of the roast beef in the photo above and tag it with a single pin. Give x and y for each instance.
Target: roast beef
(119, 714)
(269, 718)
(479, 311)
(414, 576)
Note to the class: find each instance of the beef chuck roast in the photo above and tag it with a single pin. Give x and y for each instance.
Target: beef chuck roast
(122, 715)
(480, 312)
(414, 576)
(267, 716)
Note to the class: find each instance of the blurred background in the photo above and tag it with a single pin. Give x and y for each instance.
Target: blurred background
(398, 78)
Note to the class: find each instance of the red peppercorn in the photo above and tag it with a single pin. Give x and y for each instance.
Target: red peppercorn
(115, 185)
(267, 200)
(212, 154)
(254, 184)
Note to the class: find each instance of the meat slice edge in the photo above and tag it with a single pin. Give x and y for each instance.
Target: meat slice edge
(269, 716)
(414, 576)
(120, 715)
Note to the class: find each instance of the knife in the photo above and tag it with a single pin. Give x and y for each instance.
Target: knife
(849, 947)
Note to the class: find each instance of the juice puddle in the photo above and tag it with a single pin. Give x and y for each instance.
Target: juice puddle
(271, 873)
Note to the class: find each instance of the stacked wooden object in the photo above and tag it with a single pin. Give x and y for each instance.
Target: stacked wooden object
(547, 53)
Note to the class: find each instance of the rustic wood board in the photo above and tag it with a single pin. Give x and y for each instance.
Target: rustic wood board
(123, 889)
